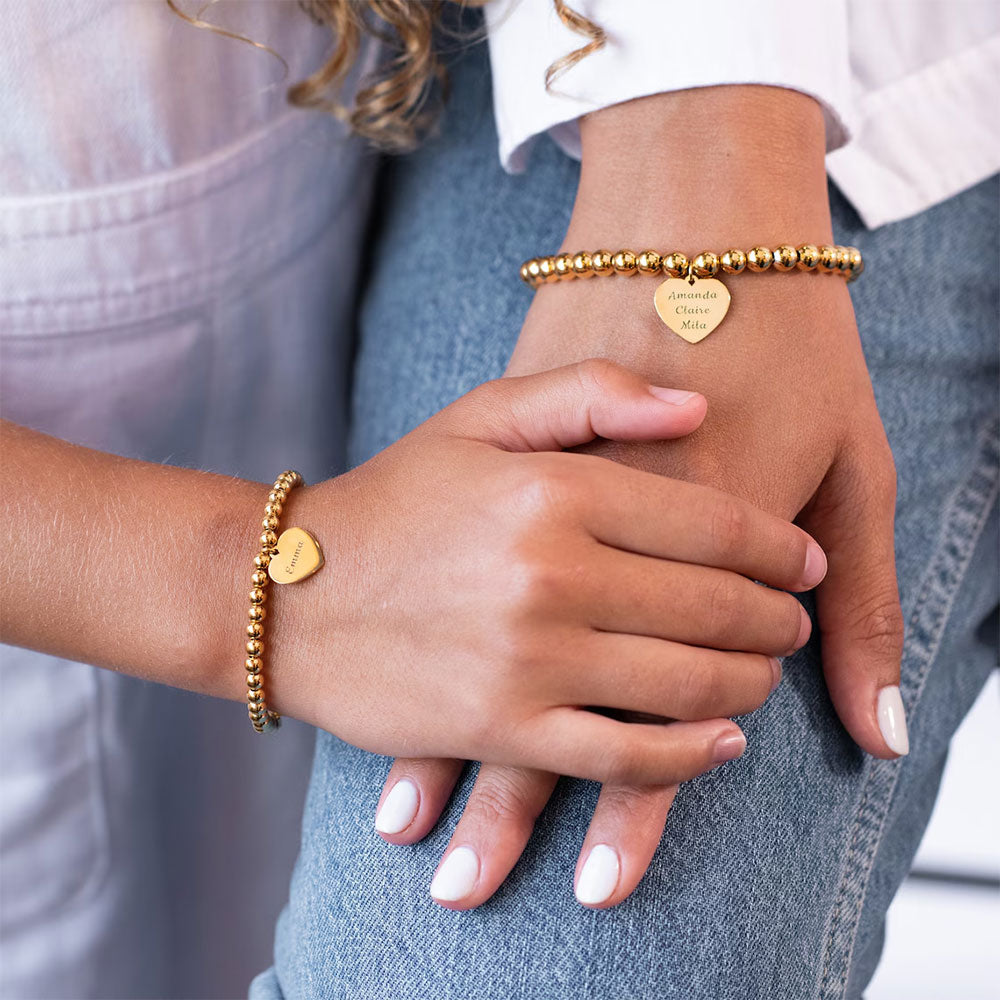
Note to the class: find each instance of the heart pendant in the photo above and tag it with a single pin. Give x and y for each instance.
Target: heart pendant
(298, 555)
(692, 309)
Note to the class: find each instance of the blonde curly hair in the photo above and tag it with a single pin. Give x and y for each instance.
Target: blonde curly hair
(391, 108)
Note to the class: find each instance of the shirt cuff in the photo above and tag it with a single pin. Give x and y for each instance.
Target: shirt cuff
(653, 47)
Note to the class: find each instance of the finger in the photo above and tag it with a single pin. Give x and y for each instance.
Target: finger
(415, 793)
(857, 605)
(668, 679)
(491, 835)
(698, 524)
(583, 744)
(621, 840)
(572, 405)
(689, 604)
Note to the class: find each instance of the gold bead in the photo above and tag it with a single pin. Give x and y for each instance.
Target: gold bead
(277, 496)
(253, 681)
(674, 264)
(255, 630)
(808, 256)
(525, 276)
(254, 664)
(258, 595)
(534, 267)
(624, 262)
(273, 509)
(268, 540)
(254, 647)
(759, 259)
(733, 261)
(257, 695)
(829, 258)
(785, 257)
(705, 265)
(602, 262)
(256, 613)
(269, 523)
(259, 578)
(583, 265)
(292, 476)
(564, 265)
(844, 263)
(547, 269)
(262, 560)
(856, 261)
(648, 262)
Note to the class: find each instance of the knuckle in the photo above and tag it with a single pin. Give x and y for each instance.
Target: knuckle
(501, 799)
(597, 372)
(620, 761)
(703, 690)
(544, 488)
(539, 585)
(879, 625)
(723, 604)
(729, 527)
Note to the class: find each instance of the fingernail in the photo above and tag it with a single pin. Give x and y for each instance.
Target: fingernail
(729, 747)
(598, 876)
(892, 720)
(399, 808)
(678, 397)
(457, 875)
(815, 567)
(775, 673)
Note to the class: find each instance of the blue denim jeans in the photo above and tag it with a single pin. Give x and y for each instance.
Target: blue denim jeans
(775, 872)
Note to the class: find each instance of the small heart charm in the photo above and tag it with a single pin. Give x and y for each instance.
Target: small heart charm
(298, 555)
(692, 310)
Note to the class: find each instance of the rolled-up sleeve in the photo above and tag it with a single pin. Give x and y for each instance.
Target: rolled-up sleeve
(655, 46)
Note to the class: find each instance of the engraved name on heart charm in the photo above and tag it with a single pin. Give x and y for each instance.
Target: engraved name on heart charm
(692, 309)
(297, 556)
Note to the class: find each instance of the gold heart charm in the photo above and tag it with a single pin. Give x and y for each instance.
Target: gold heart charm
(692, 309)
(298, 555)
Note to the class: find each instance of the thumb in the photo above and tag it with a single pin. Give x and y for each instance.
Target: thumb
(572, 405)
(860, 620)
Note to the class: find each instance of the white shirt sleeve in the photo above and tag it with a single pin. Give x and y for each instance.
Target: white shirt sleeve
(655, 46)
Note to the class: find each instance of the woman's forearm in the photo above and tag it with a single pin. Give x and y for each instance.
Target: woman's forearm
(124, 564)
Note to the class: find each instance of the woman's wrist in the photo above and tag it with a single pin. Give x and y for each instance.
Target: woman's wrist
(705, 168)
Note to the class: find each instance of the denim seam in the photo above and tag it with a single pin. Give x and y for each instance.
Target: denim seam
(964, 518)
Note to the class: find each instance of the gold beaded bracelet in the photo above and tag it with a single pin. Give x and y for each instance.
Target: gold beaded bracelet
(689, 311)
(288, 559)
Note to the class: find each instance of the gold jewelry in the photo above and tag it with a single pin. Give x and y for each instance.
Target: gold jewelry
(692, 302)
(288, 559)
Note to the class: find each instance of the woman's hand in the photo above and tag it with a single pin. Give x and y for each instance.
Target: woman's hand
(793, 425)
(483, 589)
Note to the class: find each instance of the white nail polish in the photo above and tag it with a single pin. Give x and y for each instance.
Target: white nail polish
(457, 875)
(399, 808)
(892, 720)
(599, 875)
